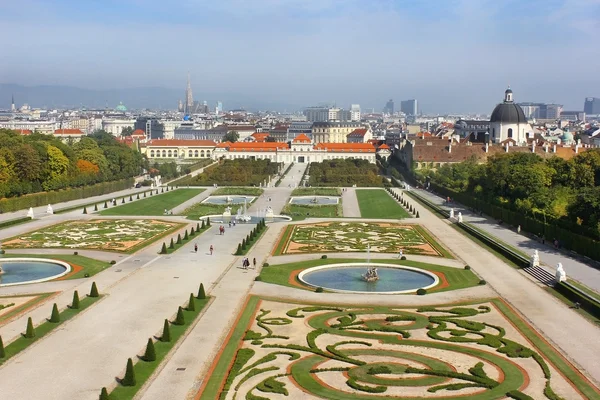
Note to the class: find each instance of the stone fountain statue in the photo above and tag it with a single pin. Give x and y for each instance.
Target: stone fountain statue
(534, 261)
(49, 210)
(560, 275)
(30, 213)
(269, 213)
(452, 213)
(460, 219)
(371, 275)
(228, 199)
(227, 212)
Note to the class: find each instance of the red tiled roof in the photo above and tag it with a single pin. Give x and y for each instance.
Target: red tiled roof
(346, 147)
(384, 147)
(68, 132)
(180, 142)
(253, 146)
(301, 138)
(138, 132)
(260, 136)
(23, 131)
(358, 132)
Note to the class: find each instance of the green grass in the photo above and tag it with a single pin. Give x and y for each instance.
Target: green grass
(219, 374)
(143, 369)
(202, 209)
(42, 330)
(317, 192)
(15, 310)
(241, 191)
(183, 240)
(299, 212)
(377, 203)
(154, 205)
(457, 278)
(434, 243)
(89, 265)
(252, 242)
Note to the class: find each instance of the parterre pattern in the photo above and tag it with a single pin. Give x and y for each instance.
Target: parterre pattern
(336, 352)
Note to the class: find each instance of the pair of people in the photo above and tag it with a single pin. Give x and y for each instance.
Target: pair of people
(246, 263)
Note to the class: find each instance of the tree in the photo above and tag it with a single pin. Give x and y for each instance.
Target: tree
(164, 250)
(104, 394)
(179, 238)
(166, 333)
(179, 319)
(127, 131)
(171, 245)
(94, 290)
(150, 353)
(129, 379)
(75, 302)
(86, 167)
(2, 352)
(30, 331)
(191, 304)
(231, 136)
(28, 163)
(201, 293)
(58, 164)
(55, 316)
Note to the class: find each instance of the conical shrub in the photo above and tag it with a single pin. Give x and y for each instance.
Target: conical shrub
(138, 196)
(417, 214)
(150, 353)
(130, 198)
(75, 303)
(105, 204)
(179, 319)
(243, 244)
(203, 225)
(85, 210)
(95, 207)
(94, 290)
(201, 292)
(129, 378)
(239, 250)
(55, 316)
(208, 221)
(179, 238)
(162, 190)
(2, 352)
(185, 237)
(171, 245)
(104, 394)
(29, 332)
(163, 250)
(192, 232)
(191, 303)
(166, 333)
(144, 194)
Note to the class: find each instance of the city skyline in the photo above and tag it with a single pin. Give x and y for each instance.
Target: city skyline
(453, 56)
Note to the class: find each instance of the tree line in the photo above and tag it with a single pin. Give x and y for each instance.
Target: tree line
(36, 163)
(344, 172)
(565, 190)
(237, 172)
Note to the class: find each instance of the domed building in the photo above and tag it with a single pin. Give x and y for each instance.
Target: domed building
(508, 121)
(121, 107)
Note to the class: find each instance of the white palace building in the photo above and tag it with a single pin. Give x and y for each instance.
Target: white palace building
(299, 150)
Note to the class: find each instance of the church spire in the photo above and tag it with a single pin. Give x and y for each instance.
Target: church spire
(508, 95)
(189, 99)
(12, 103)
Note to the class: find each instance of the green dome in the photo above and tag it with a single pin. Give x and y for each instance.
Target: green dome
(567, 137)
(121, 107)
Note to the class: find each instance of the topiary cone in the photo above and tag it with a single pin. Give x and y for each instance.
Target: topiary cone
(85, 210)
(201, 227)
(207, 221)
(75, 303)
(130, 198)
(179, 319)
(95, 207)
(2, 352)
(185, 237)
(417, 214)
(105, 205)
(166, 333)
(150, 353)
(179, 238)
(29, 332)
(144, 194)
(191, 304)
(171, 245)
(138, 196)
(163, 250)
(243, 244)
(201, 292)
(129, 378)
(239, 250)
(104, 394)
(123, 200)
(55, 316)
(94, 290)
(192, 231)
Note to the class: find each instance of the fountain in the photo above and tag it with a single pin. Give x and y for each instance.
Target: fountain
(243, 217)
(371, 275)
(228, 199)
(227, 213)
(30, 213)
(49, 210)
(16, 271)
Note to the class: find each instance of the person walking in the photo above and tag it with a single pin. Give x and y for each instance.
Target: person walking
(195, 247)
(400, 254)
(254, 263)
(211, 249)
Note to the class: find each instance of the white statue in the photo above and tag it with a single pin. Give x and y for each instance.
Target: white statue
(460, 217)
(269, 213)
(407, 187)
(227, 212)
(560, 275)
(535, 259)
(49, 210)
(452, 213)
(30, 213)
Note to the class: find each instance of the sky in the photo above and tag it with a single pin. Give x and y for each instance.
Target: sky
(451, 55)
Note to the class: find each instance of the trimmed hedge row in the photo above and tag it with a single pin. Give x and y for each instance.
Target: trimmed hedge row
(15, 221)
(44, 198)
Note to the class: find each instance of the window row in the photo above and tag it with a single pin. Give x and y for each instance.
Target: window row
(173, 153)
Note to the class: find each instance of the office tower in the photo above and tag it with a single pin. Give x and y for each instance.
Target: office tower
(592, 106)
(389, 107)
(409, 107)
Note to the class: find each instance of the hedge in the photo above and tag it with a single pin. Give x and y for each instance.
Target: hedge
(59, 196)
(15, 221)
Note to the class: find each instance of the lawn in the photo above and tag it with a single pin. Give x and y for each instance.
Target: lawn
(32, 303)
(241, 191)
(43, 329)
(317, 192)
(88, 266)
(377, 203)
(155, 205)
(299, 212)
(143, 369)
(457, 278)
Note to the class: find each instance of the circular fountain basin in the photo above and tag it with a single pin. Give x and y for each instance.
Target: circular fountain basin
(314, 200)
(20, 271)
(347, 278)
(220, 219)
(228, 200)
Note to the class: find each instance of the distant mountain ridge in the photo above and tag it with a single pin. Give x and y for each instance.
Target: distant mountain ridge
(57, 97)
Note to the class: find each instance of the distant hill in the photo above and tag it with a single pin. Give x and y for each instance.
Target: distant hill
(134, 98)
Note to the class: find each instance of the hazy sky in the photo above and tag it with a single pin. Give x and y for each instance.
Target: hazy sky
(452, 55)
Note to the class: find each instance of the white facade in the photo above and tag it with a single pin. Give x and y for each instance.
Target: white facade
(45, 127)
(355, 112)
(116, 126)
